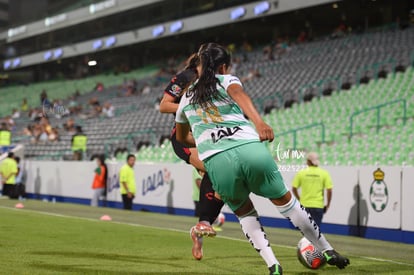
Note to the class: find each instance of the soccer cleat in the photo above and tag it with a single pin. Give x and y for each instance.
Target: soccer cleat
(334, 258)
(276, 270)
(204, 230)
(197, 244)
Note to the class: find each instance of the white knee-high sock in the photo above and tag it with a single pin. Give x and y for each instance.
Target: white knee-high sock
(301, 219)
(254, 232)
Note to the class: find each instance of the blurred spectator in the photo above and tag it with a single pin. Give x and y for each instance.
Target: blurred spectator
(234, 65)
(5, 135)
(129, 86)
(245, 49)
(231, 48)
(8, 172)
(54, 135)
(20, 187)
(268, 52)
(59, 109)
(95, 109)
(27, 131)
(24, 107)
(35, 114)
(44, 123)
(69, 126)
(251, 75)
(282, 46)
(302, 37)
(99, 87)
(74, 107)
(340, 31)
(146, 89)
(99, 181)
(10, 122)
(44, 101)
(108, 110)
(79, 143)
(15, 114)
(37, 131)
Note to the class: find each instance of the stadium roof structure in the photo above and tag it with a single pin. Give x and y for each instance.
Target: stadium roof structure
(66, 19)
(163, 29)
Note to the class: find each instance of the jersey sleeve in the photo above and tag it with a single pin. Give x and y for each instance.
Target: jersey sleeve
(179, 82)
(229, 80)
(180, 116)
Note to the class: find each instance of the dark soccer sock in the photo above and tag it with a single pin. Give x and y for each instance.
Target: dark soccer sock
(210, 206)
(301, 219)
(254, 232)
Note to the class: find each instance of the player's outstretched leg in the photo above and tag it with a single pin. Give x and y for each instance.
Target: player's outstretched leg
(289, 207)
(256, 235)
(210, 208)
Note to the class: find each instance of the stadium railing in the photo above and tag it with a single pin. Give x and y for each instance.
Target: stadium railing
(377, 108)
(295, 131)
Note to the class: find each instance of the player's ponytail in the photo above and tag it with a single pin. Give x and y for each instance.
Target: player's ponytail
(206, 88)
(192, 62)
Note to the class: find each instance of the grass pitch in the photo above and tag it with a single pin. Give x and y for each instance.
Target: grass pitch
(46, 238)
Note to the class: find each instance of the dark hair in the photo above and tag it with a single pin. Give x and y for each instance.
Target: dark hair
(130, 156)
(192, 62)
(206, 46)
(10, 155)
(206, 88)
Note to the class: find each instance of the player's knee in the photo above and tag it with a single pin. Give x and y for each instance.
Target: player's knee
(247, 209)
(285, 199)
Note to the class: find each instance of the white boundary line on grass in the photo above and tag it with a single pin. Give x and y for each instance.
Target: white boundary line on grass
(183, 231)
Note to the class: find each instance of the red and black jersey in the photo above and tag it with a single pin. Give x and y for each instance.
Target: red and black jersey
(179, 82)
(175, 89)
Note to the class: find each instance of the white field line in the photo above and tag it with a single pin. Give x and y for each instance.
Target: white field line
(186, 232)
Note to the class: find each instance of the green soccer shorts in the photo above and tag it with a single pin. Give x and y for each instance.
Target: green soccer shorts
(247, 168)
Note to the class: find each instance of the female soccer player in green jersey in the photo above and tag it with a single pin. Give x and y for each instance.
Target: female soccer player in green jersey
(236, 159)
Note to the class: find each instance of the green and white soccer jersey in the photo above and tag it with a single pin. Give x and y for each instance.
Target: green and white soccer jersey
(218, 128)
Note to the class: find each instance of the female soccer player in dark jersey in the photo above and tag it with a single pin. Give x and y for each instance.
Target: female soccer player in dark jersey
(210, 205)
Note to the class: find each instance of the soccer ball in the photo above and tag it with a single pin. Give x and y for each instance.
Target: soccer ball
(308, 255)
(220, 220)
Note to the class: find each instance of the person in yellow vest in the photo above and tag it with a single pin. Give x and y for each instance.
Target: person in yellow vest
(127, 182)
(5, 136)
(8, 171)
(79, 142)
(313, 181)
(25, 106)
